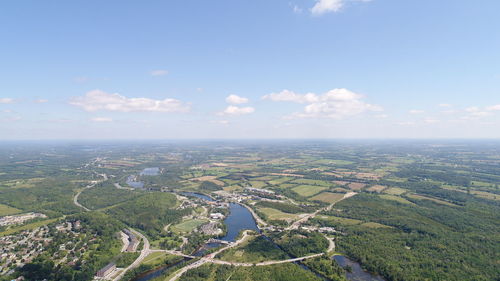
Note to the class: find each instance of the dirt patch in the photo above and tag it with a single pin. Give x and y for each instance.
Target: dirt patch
(376, 188)
(356, 185)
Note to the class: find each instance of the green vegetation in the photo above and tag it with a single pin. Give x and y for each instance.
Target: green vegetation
(149, 212)
(453, 243)
(105, 195)
(308, 190)
(280, 272)
(328, 197)
(7, 210)
(301, 243)
(326, 266)
(187, 226)
(395, 191)
(255, 250)
(104, 247)
(273, 214)
(396, 198)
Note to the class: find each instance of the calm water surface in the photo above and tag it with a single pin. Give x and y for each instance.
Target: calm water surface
(357, 274)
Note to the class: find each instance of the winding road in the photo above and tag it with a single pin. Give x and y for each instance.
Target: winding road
(144, 253)
(302, 220)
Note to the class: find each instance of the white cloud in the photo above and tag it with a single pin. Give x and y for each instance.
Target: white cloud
(234, 99)
(335, 104)
(236, 110)
(41, 101)
(474, 113)
(287, 95)
(327, 6)
(159, 72)
(6, 100)
(102, 119)
(493, 107)
(416, 111)
(99, 100)
(330, 6)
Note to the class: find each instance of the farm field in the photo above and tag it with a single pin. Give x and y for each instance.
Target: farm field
(273, 214)
(396, 198)
(395, 190)
(308, 190)
(328, 197)
(7, 210)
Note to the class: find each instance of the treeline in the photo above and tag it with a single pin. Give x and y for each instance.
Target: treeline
(105, 195)
(149, 212)
(284, 272)
(327, 267)
(427, 242)
(53, 197)
(417, 174)
(298, 243)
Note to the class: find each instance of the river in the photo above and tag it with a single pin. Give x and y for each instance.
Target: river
(357, 273)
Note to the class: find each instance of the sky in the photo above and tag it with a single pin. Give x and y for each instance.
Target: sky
(260, 69)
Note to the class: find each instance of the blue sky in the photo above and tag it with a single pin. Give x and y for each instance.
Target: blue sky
(249, 69)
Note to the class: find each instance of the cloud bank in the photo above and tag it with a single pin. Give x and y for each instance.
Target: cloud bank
(99, 100)
(335, 104)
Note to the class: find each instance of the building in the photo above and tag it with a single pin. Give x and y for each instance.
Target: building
(133, 242)
(106, 270)
(216, 216)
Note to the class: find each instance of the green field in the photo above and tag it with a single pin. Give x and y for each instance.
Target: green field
(187, 226)
(486, 195)
(7, 210)
(421, 197)
(328, 197)
(395, 190)
(258, 184)
(308, 190)
(374, 225)
(27, 226)
(396, 198)
(340, 220)
(273, 214)
(312, 182)
(279, 181)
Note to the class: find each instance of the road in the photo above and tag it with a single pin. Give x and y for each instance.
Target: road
(255, 216)
(331, 244)
(211, 258)
(75, 198)
(302, 220)
(144, 253)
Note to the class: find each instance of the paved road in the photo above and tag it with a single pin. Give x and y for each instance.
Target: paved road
(144, 253)
(211, 259)
(75, 198)
(300, 221)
